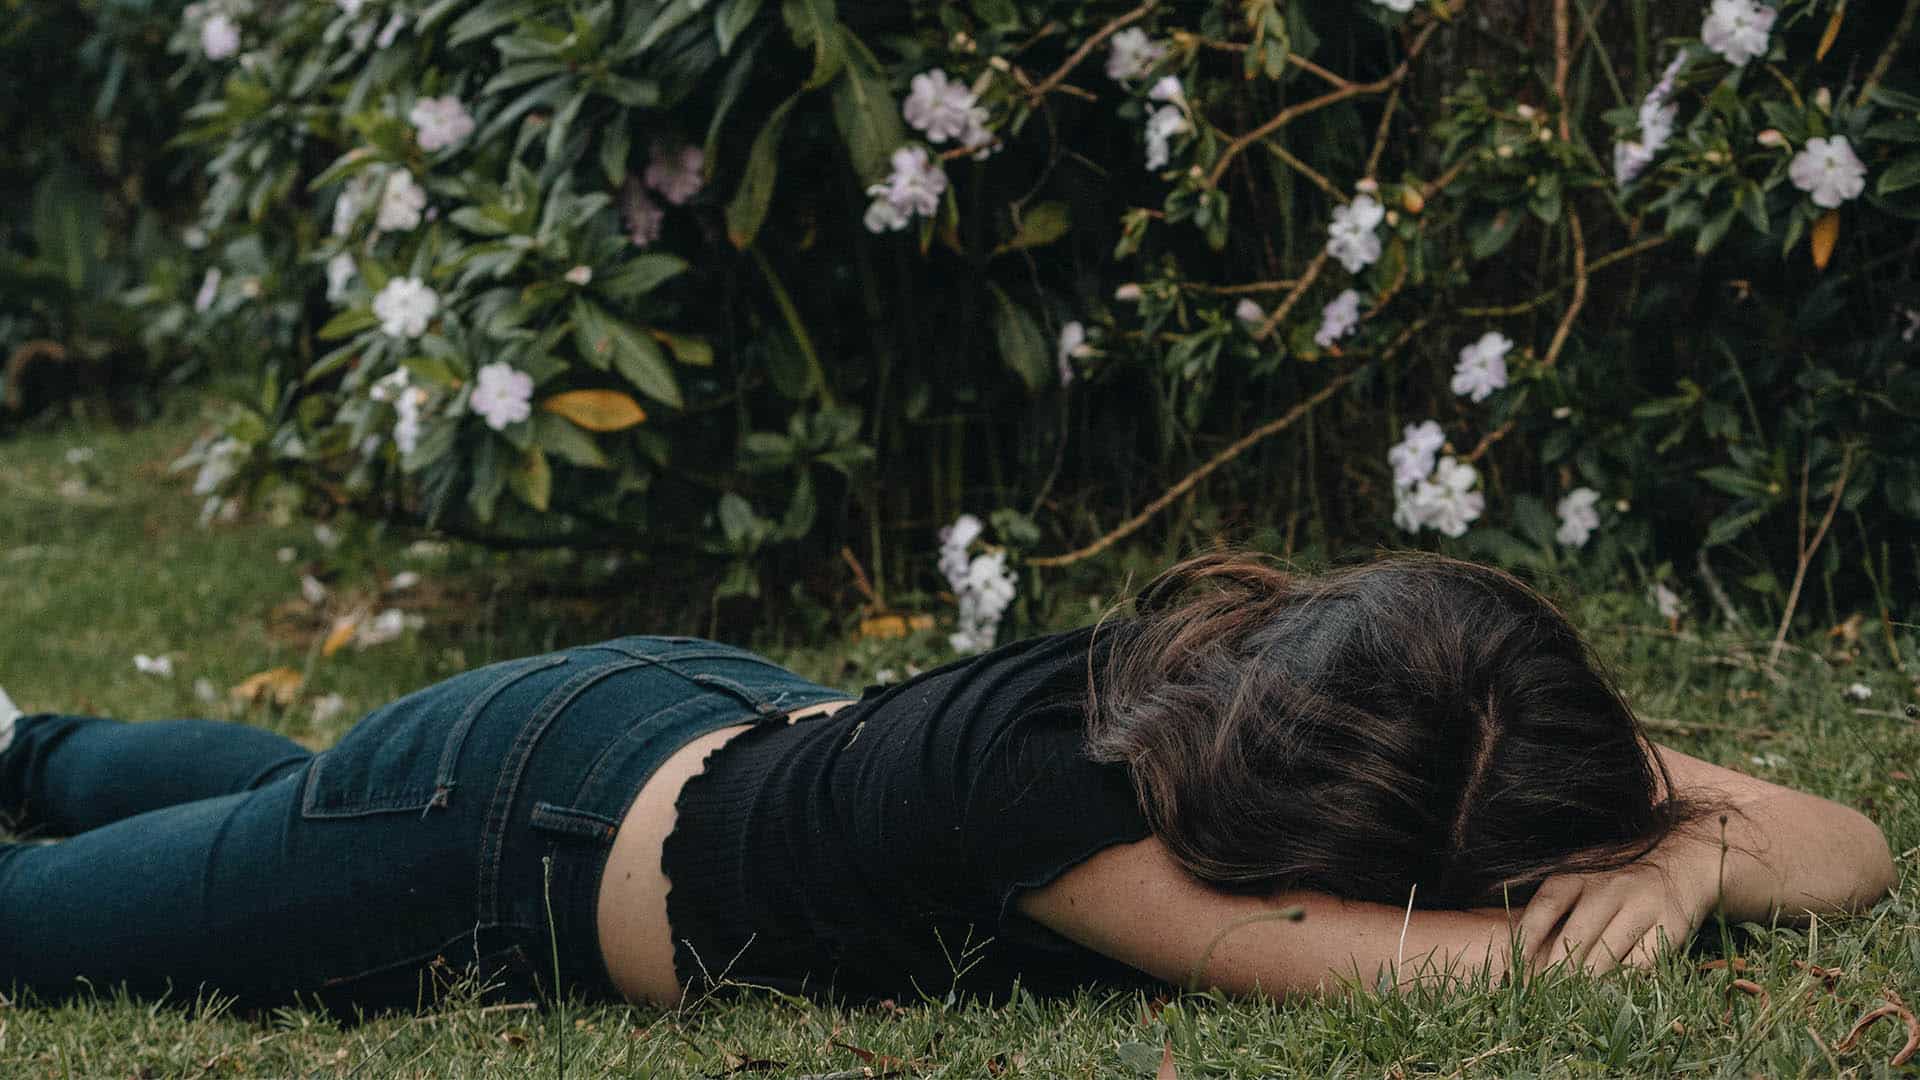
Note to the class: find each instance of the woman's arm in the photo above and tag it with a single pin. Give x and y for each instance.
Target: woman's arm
(1136, 904)
(1786, 854)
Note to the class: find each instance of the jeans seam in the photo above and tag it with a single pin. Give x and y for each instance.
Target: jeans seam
(513, 768)
(443, 782)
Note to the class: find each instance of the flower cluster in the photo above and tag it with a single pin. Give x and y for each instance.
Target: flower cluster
(944, 110)
(1737, 30)
(1165, 122)
(981, 583)
(1655, 126)
(914, 187)
(440, 122)
(401, 207)
(1829, 171)
(1072, 346)
(1429, 494)
(676, 174)
(1350, 236)
(409, 407)
(405, 306)
(502, 395)
(1483, 366)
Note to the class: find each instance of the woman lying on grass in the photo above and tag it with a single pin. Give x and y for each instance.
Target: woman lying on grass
(648, 818)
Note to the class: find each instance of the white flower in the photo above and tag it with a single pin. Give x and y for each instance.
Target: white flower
(204, 691)
(351, 7)
(209, 290)
(1483, 366)
(429, 549)
(1073, 342)
(1412, 458)
(1859, 692)
(353, 201)
(1168, 89)
(502, 395)
(392, 30)
(954, 540)
(384, 627)
(194, 237)
(1737, 30)
(1578, 518)
(914, 187)
(642, 216)
(1248, 311)
(401, 201)
(1130, 293)
(1665, 600)
(1828, 170)
(1912, 329)
(250, 287)
(219, 461)
(326, 536)
(580, 275)
(387, 387)
(405, 307)
(677, 174)
(1448, 500)
(219, 37)
(79, 455)
(937, 106)
(984, 594)
(287, 554)
(341, 271)
(408, 420)
(161, 666)
(1162, 125)
(404, 580)
(1337, 320)
(978, 137)
(312, 591)
(1771, 761)
(328, 709)
(1401, 6)
(1350, 236)
(1131, 54)
(441, 122)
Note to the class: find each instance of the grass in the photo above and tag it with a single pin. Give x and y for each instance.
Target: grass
(105, 558)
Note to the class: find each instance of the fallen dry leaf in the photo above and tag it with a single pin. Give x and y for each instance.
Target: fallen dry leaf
(892, 625)
(341, 634)
(1167, 1071)
(280, 685)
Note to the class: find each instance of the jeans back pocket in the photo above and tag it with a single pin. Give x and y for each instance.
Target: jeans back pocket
(401, 758)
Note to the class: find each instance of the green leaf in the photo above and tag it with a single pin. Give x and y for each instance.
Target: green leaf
(747, 210)
(1022, 345)
(812, 23)
(348, 323)
(640, 275)
(532, 481)
(690, 350)
(563, 439)
(1730, 525)
(868, 118)
(731, 19)
(487, 18)
(1900, 176)
(615, 146)
(489, 479)
(1039, 226)
(67, 225)
(602, 338)
(1734, 482)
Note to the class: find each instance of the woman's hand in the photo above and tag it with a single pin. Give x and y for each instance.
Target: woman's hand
(1600, 921)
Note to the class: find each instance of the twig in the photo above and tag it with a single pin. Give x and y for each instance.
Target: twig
(1276, 285)
(1380, 132)
(860, 581)
(1046, 86)
(1579, 292)
(1333, 191)
(1167, 498)
(1807, 550)
(1562, 65)
(1300, 286)
(1595, 267)
(1902, 32)
(1487, 441)
(1333, 97)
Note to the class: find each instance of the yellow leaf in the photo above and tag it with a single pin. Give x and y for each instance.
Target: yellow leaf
(342, 632)
(596, 410)
(1832, 31)
(280, 685)
(1826, 232)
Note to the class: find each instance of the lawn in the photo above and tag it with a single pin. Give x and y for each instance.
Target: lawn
(103, 557)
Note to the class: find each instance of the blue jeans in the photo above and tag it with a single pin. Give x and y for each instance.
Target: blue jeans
(460, 830)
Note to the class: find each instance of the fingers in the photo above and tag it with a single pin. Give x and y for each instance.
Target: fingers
(1585, 927)
(1551, 902)
(1669, 933)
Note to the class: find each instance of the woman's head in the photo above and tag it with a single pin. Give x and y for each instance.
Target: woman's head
(1413, 721)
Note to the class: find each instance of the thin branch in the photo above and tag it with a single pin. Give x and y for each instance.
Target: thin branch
(1562, 65)
(1046, 86)
(1308, 171)
(1902, 32)
(1596, 266)
(1186, 484)
(1380, 132)
(1301, 285)
(1487, 442)
(1333, 97)
(1806, 555)
(1275, 285)
(1579, 292)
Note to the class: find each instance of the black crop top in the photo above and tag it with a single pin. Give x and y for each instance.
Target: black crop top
(878, 852)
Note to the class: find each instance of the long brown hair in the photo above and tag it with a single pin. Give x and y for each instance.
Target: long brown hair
(1410, 721)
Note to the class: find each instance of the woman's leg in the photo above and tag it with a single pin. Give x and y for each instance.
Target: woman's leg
(63, 775)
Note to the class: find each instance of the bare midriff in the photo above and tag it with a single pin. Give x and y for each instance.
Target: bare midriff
(635, 938)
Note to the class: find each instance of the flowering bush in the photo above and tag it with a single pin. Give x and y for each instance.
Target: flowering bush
(679, 272)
